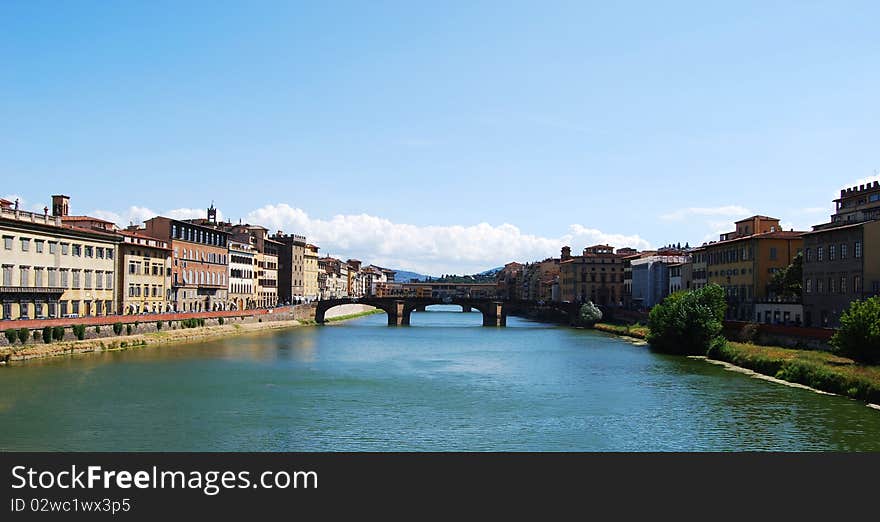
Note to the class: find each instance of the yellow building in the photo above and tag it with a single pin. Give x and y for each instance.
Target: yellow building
(743, 262)
(55, 269)
(310, 272)
(145, 274)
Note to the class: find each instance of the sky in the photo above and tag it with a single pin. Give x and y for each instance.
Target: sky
(443, 137)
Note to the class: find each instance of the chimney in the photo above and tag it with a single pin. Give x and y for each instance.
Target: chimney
(60, 205)
(566, 252)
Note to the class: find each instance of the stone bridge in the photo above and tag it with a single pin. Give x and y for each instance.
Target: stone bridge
(398, 309)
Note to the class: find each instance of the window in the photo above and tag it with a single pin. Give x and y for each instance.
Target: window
(831, 251)
(7, 242)
(25, 244)
(109, 278)
(109, 253)
(7, 275)
(843, 252)
(64, 277)
(88, 278)
(38, 277)
(132, 267)
(772, 252)
(820, 286)
(830, 285)
(100, 253)
(820, 254)
(808, 256)
(843, 284)
(39, 244)
(99, 280)
(76, 279)
(53, 277)
(65, 248)
(808, 286)
(24, 276)
(77, 250)
(857, 284)
(90, 251)
(53, 247)
(858, 250)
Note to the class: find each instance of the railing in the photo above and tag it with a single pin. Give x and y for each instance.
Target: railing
(30, 217)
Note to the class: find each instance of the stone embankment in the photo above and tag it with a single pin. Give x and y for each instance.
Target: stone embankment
(140, 331)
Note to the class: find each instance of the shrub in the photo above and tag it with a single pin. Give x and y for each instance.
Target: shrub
(117, 328)
(859, 333)
(748, 333)
(688, 323)
(38, 335)
(48, 332)
(128, 329)
(58, 333)
(97, 329)
(23, 335)
(158, 325)
(589, 314)
(11, 335)
(79, 330)
(220, 321)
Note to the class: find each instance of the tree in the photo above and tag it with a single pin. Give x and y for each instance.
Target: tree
(23, 335)
(786, 283)
(859, 334)
(589, 314)
(688, 322)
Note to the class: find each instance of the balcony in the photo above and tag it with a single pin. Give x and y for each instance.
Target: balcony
(30, 217)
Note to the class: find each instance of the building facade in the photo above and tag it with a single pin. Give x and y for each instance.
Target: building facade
(310, 272)
(291, 267)
(842, 257)
(54, 269)
(145, 274)
(596, 275)
(199, 263)
(242, 276)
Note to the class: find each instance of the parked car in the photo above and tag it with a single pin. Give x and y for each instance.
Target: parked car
(41, 317)
(71, 316)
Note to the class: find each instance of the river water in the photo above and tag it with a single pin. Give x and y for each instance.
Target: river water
(444, 383)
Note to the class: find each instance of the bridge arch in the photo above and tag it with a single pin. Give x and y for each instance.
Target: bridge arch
(399, 310)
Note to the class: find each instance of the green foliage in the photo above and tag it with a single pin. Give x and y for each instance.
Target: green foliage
(97, 329)
(158, 325)
(689, 322)
(11, 335)
(58, 333)
(23, 335)
(589, 313)
(128, 329)
(220, 321)
(117, 328)
(79, 330)
(47, 334)
(859, 333)
(787, 282)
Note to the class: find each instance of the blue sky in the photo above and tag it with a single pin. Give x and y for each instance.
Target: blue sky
(443, 137)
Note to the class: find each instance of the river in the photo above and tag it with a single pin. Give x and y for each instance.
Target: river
(445, 383)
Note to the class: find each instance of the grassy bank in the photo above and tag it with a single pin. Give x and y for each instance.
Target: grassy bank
(636, 330)
(820, 370)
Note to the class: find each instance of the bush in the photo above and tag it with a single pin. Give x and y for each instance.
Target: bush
(589, 314)
(158, 325)
(23, 335)
(58, 333)
(688, 323)
(859, 333)
(220, 321)
(11, 335)
(48, 332)
(79, 330)
(117, 328)
(128, 329)
(97, 329)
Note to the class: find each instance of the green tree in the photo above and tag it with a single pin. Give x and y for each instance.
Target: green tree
(23, 335)
(79, 330)
(11, 335)
(787, 282)
(117, 328)
(859, 334)
(688, 322)
(58, 333)
(47, 334)
(589, 314)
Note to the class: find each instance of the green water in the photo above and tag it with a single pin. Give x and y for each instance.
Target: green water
(445, 383)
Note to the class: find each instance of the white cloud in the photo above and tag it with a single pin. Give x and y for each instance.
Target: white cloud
(429, 249)
(727, 210)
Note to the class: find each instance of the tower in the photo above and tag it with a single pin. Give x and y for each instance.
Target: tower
(60, 205)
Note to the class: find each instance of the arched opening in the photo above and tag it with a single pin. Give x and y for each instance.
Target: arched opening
(446, 315)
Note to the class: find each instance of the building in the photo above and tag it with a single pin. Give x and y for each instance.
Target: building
(291, 267)
(310, 272)
(242, 275)
(355, 283)
(539, 278)
(651, 276)
(842, 257)
(52, 268)
(596, 275)
(333, 278)
(144, 270)
(199, 262)
(509, 281)
(743, 262)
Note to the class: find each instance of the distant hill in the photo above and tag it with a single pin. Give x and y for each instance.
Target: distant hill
(403, 276)
(491, 271)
